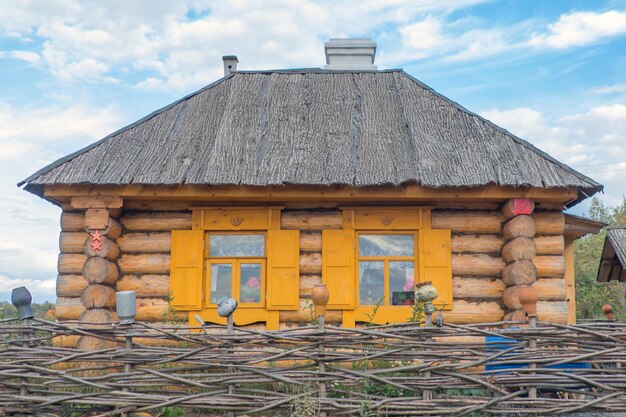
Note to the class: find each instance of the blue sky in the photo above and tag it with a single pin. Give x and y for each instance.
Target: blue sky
(552, 72)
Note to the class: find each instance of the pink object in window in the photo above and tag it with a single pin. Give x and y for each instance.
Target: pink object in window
(253, 282)
(408, 285)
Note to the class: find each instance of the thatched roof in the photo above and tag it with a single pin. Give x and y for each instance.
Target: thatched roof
(314, 127)
(613, 261)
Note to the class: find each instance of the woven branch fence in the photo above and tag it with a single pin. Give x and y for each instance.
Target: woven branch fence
(394, 370)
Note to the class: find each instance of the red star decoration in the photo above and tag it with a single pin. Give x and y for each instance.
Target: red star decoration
(96, 236)
(96, 241)
(96, 245)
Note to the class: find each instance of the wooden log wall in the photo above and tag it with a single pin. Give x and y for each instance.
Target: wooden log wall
(134, 256)
(101, 273)
(476, 263)
(70, 281)
(519, 251)
(533, 251)
(144, 264)
(310, 223)
(550, 264)
(485, 243)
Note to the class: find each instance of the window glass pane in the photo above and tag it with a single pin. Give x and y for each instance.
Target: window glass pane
(401, 283)
(386, 245)
(236, 245)
(250, 285)
(221, 281)
(371, 282)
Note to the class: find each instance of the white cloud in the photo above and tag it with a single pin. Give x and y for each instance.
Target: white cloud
(593, 142)
(610, 89)
(169, 50)
(468, 38)
(27, 56)
(84, 70)
(464, 39)
(41, 290)
(426, 34)
(30, 138)
(95, 43)
(53, 124)
(476, 44)
(581, 28)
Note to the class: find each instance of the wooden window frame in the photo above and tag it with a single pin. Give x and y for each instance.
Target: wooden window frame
(385, 220)
(235, 287)
(236, 261)
(385, 259)
(257, 220)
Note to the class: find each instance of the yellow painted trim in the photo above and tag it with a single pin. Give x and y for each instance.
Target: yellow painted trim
(570, 282)
(241, 317)
(186, 270)
(338, 267)
(293, 193)
(273, 320)
(444, 269)
(101, 201)
(231, 218)
(347, 319)
(384, 314)
(283, 270)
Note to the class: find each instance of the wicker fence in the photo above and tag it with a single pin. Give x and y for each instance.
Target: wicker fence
(404, 369)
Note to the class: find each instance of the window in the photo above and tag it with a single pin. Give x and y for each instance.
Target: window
(386, 268)
(236, 268)
(238, 252)
(379, 255)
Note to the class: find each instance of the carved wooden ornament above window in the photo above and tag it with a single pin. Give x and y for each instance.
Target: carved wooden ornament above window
(386, 220)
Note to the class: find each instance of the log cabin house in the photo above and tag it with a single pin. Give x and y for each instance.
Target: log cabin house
(264, 184)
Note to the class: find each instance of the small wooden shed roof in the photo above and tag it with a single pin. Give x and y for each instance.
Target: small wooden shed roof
(313, 127)
(578, 226)
(613, 261)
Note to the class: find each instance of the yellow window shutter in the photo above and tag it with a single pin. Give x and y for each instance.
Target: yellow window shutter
(283, 270)
(338, 268)
(436, 262)
(186, 269)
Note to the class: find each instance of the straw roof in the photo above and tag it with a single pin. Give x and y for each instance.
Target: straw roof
(313, 127)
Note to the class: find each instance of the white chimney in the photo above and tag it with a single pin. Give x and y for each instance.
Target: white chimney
(350, 54)
(230, 64)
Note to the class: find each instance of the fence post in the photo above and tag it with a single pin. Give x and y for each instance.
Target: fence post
(21, 299)
(426, 293)
(226, 306)
(230, 330)
(320, 297)
(528, 298)
(126, 308)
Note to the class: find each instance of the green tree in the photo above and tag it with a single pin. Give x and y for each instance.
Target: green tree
(590, 294)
